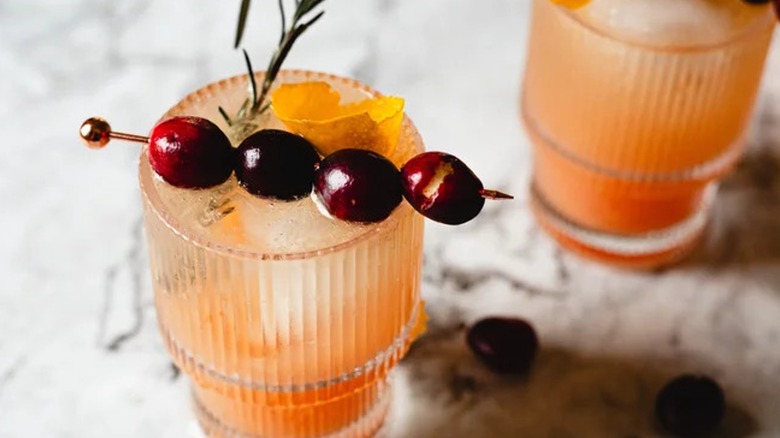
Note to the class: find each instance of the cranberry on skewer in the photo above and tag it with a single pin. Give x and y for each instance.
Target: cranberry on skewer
(351, 184)
(187, 152)
(442, 188)
(276, 164)
(357, 185)
(190, 152)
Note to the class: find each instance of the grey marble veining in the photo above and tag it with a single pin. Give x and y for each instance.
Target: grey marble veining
(79, 351)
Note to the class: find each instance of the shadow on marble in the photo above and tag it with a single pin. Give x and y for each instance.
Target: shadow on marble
(567, 395)
(745, 229)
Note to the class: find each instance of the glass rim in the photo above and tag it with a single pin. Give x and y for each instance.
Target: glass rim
(151, 197)
(767, 20)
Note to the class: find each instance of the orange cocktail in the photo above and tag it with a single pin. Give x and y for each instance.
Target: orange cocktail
(288, 322)
(635, 108)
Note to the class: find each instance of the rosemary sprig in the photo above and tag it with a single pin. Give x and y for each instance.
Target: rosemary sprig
(254, 105)
(286, 41)
(242, 13)
(251, 76)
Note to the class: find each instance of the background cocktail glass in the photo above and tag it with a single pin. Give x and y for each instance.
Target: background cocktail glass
(631, 135)
(288, 323)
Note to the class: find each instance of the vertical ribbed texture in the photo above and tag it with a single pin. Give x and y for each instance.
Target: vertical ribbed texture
(627, 137)
(289, 348)
(294, 345)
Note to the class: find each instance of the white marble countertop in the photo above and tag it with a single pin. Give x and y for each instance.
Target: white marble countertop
(80, 355)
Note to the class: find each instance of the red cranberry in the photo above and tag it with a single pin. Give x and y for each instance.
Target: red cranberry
(276, 164)
(190, 152)
(505, 345)
(357, 185)
(690, 406)
(442, 188)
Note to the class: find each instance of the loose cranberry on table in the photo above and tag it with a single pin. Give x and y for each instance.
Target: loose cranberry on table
(190, 152)
(276, 164)
(442, 188)
(504, 345)
(690, 406)
(357, 185)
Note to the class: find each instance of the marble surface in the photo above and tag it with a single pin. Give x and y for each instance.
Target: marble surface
(80, 355)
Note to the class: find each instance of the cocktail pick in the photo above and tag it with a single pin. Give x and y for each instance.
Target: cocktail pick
(96, 133)
(187, 152)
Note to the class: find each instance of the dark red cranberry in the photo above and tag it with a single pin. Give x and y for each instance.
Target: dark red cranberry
(690, 406)
(190, 152)
(777, 8)
(276, 164)
(442, 188)
(505, 345)
(358, 185)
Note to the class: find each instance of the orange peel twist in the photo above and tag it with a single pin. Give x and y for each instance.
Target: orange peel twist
(314, 110)
(571, 4)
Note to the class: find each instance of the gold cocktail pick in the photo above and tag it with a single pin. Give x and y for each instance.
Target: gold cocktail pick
(96, 133)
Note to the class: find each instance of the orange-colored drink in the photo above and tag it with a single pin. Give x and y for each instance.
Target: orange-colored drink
(635, 108)
(288, 322)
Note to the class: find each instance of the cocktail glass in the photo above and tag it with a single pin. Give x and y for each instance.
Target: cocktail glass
(288, 323)
(631, 131)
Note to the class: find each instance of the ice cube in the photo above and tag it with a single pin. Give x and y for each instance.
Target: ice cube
(284, 227)
(671, 22)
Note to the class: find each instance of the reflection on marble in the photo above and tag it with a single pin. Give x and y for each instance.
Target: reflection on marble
(79, 351)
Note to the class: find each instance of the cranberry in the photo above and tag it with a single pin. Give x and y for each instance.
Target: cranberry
(442, 188)
(190, 152)
(357, 185)
(276, 164)
(505, 345)
(690, 406)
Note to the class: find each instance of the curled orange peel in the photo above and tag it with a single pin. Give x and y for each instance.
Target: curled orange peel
(314, 110)
(571, 4)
